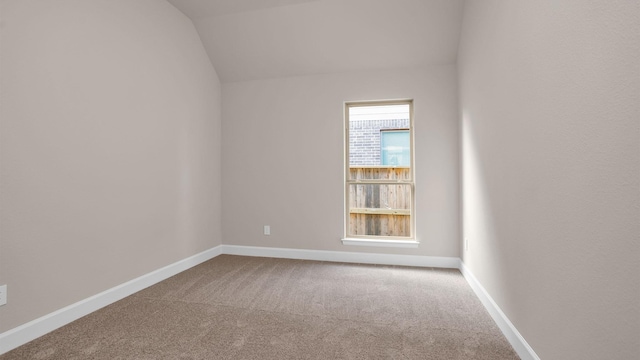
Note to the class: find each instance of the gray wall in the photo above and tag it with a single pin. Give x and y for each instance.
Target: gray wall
(549, 100)
(110, 148)
(274, 174)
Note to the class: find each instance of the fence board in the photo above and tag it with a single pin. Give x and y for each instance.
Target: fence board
(380, 209)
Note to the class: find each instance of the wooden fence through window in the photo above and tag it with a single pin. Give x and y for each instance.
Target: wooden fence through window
(380, 209)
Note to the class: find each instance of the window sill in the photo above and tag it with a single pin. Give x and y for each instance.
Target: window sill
(381, 243)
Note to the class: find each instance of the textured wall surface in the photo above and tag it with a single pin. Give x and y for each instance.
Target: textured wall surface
(110, 148)
(274, 174)
(550, 97)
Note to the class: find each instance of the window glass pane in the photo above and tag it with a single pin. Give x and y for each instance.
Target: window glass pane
(365, 126)
(380, 209)
(395, 148)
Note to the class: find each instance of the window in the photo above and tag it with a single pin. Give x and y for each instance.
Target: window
(395, 147)
(379, 176)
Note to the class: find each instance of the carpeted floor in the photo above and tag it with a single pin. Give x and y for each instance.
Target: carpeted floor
(235, 307)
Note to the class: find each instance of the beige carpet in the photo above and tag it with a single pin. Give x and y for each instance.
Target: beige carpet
(235, 307)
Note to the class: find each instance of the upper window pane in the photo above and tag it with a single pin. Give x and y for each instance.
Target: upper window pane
(366, 126)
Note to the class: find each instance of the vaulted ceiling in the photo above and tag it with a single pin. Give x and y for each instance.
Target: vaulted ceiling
(253, 39)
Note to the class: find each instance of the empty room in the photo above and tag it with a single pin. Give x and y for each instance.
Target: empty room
(320, 179)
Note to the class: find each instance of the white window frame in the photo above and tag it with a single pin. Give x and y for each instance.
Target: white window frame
(379, 240)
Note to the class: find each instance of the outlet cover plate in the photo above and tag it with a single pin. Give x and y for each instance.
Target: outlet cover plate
(3, 295)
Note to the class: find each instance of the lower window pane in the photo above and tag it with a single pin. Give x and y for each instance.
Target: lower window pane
(380, 210)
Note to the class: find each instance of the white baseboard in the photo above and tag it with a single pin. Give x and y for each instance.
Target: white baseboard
(516, 340)
(342, 256)
(21, 335)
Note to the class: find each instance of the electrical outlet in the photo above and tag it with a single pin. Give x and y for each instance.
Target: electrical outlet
(267, 230)
(3, 295)
(466, 243)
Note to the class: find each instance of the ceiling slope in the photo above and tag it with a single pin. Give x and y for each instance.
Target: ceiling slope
(253, 39)
(206, 8)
